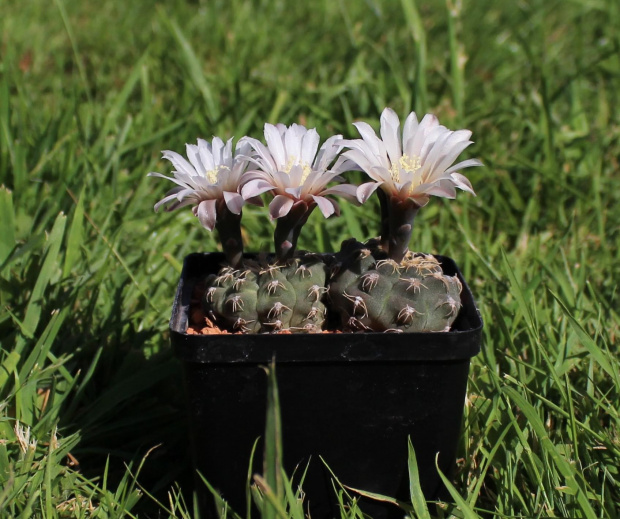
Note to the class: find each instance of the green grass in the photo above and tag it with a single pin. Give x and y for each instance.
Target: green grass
(90, 95)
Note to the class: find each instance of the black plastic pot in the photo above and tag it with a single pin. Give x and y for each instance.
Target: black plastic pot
(352, 399)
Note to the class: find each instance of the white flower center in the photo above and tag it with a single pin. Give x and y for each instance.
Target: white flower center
(212, 174)
(407, 164)
(305, 167)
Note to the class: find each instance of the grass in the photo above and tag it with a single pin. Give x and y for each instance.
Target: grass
(90, 95)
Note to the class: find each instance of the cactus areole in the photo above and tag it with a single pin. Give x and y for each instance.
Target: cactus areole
(378, 286)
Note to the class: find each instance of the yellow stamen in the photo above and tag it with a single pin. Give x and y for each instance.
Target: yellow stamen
(305, 167)
(407, 164)
(212, 174)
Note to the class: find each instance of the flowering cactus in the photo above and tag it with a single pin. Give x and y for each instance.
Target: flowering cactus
(211, 181)
(290, 168)
(377, 286)
(408, 175)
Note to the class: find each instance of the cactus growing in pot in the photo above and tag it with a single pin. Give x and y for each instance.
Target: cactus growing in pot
(378, 286)
(385, 287)
(375, 390)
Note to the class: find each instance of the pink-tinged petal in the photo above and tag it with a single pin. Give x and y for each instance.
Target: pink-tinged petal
(206, 155)
(326, 206)
(404, 190)
(381, 174)
(450, 156)
(369, 136)
(207, 213)
(275, 144)
(365, 190)
(256, 187)
(172, 179)
(390, 125)
(263, 158)
(170, 195)
(280, 206)
(328, 151)
(295, 175)
(295, 192)
(194, 157)
(347, 191)
(218, 148)
(409, 130)
(178, 204)
(443, 188)
(426, 125)
(282, 180)
(257, 200)
(462, 182)
(227, 154)
(234, 202)
(317, 184)
(432, 150)
(309, 145)
(293, 137)
(179, 162)
(465, 164)
(243, 147)
(362, 161)
(344, 164)
(436, 134)
(255, 175)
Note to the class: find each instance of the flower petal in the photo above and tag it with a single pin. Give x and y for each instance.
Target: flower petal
(348, 191)
(234, 202)
(462, 182)
(295, 192)
(179, 162)
(465, 164)
(280, 206)
(256, 187)
(275, 145)
(365, 190)
(390, 125)
(207, 214)
(325, 205)
(309, 145)
(409, 130)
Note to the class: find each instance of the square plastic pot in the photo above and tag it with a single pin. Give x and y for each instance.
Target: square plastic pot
(351, 398)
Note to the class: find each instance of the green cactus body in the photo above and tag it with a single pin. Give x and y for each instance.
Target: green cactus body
(374, 294)
(270, 298)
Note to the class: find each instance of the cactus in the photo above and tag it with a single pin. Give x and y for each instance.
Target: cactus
(269, 297)
(375, 293)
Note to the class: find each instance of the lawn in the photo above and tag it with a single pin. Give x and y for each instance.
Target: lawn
(92, 421)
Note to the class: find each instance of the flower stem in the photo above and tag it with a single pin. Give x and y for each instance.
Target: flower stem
(385, 218)
(228, 225)
(401, 214)
(287, 230)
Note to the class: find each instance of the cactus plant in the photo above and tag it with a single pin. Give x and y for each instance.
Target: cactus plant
(374, 293)
(269, 298)
(377, 286)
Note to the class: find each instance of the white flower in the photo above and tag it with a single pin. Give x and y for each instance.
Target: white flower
(210, 181)
(290, 167)
(414, 166)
